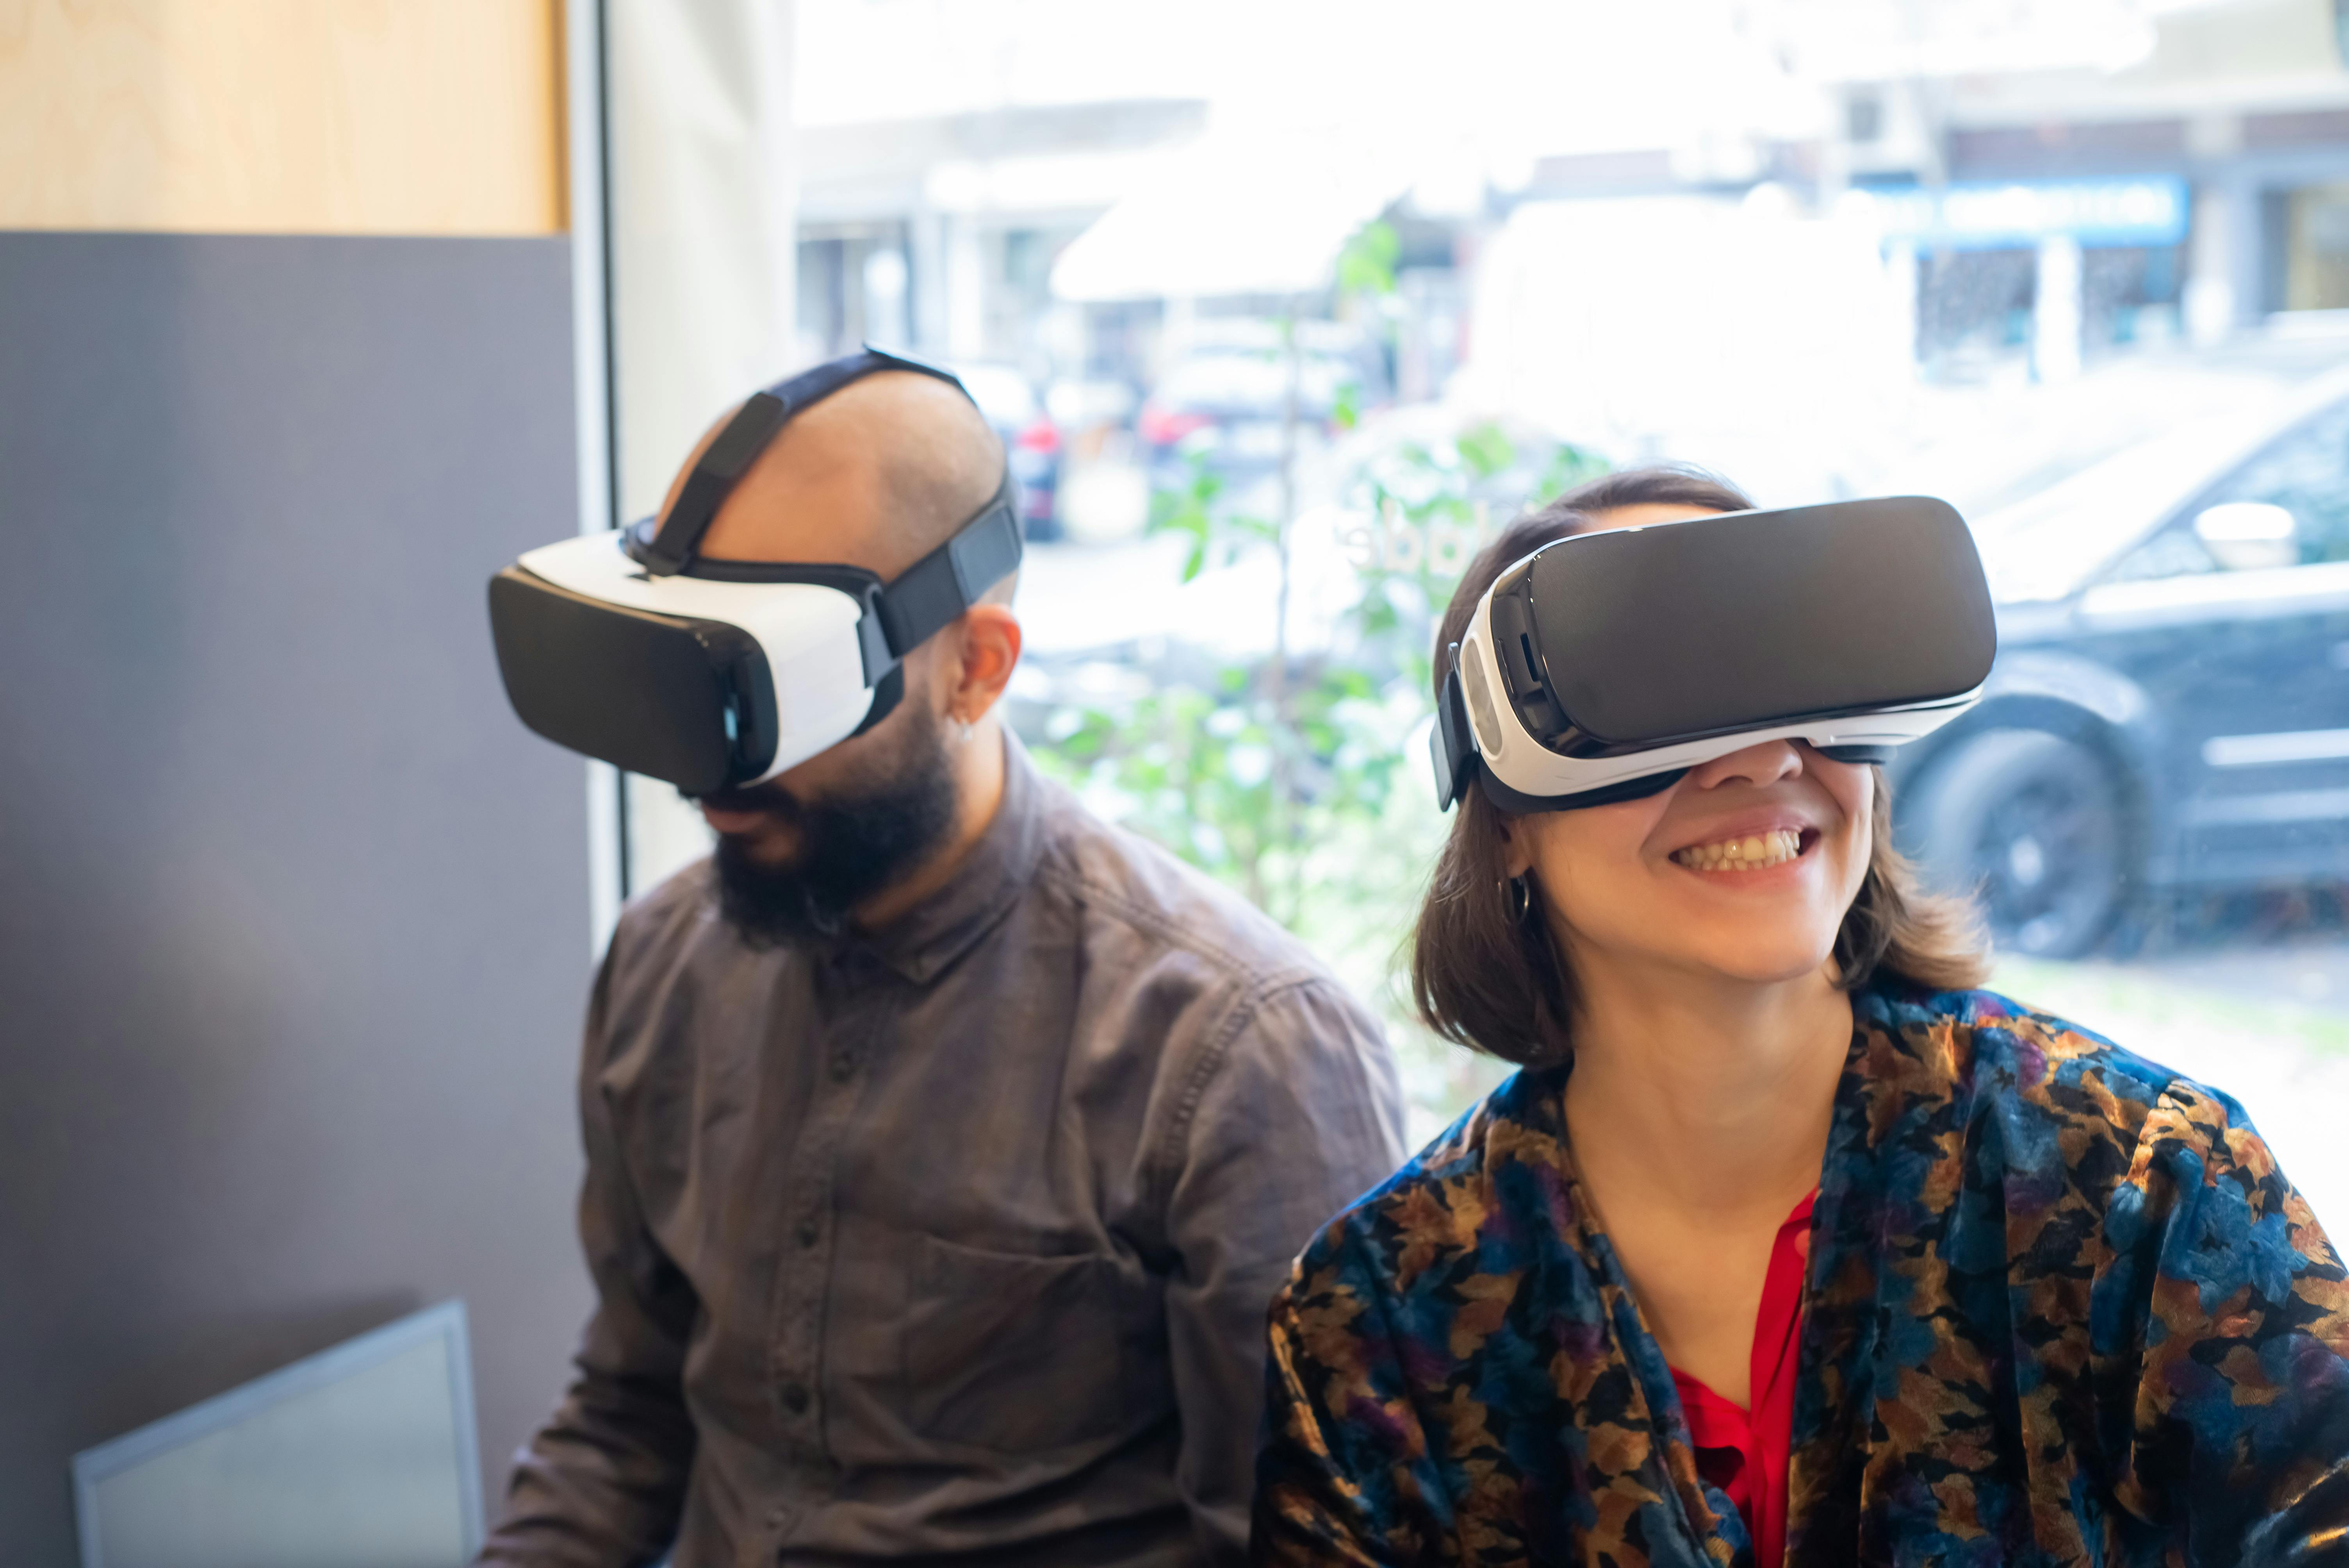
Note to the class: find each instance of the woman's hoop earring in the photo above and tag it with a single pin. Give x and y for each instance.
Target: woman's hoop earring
(1520, 898)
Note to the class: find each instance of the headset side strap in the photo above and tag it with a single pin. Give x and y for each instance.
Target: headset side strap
(887, 692)
(936, 590)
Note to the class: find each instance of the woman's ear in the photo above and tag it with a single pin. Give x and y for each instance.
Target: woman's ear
(1517, 847)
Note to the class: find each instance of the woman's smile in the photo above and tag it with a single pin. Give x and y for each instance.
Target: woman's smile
(1741, 854)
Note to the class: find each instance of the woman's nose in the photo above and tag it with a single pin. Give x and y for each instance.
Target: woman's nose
(1758, 765)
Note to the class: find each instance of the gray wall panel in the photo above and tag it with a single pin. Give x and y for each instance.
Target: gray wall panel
(293, 913)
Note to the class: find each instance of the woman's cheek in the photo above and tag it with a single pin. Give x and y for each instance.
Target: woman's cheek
(1853, 785)
(1861, 819)
(1589, 866)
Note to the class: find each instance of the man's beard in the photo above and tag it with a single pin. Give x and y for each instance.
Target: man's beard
(849, 848)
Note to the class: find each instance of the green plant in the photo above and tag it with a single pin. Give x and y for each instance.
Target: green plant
(1283, 774)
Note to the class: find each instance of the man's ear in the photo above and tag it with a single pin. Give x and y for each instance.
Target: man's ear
(987, 644)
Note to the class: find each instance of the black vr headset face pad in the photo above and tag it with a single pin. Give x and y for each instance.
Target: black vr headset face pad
(875, 477)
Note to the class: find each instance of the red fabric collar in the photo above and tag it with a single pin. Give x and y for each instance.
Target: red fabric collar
(1745, 1452)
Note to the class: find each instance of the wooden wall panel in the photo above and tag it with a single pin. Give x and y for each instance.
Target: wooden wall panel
(321, 116)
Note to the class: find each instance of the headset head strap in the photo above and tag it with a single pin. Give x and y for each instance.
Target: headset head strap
(754, 426)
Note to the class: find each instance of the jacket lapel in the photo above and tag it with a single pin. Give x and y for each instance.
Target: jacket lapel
(1641, 1499)
(1895, 1144)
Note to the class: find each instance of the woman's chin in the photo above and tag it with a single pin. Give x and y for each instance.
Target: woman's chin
(1755, 953)
(1781, 968)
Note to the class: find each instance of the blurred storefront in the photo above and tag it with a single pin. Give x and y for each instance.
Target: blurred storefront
(2178, 171)
(2306, 239)
(2221, 129)
(940, 231)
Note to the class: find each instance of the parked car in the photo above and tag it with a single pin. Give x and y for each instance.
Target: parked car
(2170, 709)
(1229, 407)
(1031, 441)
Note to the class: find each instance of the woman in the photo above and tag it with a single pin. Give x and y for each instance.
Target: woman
(1783, 1246)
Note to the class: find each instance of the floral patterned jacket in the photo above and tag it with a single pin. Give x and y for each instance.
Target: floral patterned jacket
(2061, 1308)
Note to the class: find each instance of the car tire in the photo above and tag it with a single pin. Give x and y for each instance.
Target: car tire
(2032, 826)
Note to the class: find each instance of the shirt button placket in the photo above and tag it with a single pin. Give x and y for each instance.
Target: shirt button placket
(807, 1287)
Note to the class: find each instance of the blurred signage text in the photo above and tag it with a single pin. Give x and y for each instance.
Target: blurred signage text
(1992, 214)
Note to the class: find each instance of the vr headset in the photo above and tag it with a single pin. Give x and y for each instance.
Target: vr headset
(635, 649)
(1604, 665)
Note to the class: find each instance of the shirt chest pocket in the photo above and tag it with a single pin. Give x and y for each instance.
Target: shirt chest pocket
(1016, 1353)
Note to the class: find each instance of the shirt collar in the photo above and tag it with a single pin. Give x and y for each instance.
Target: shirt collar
(924, 940)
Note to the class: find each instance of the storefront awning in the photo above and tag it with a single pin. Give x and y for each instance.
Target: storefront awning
(1233, 214)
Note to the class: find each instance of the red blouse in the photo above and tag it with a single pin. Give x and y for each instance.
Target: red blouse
(1742, 1453)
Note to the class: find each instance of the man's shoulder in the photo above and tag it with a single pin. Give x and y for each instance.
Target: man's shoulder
(670, 928)
(673, 908)
(1236, 1015)
(1107, 876)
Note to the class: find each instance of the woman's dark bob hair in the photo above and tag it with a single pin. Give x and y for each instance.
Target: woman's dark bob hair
(1485, 979)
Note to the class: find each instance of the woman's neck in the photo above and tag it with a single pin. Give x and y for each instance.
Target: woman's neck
(1704, 1094)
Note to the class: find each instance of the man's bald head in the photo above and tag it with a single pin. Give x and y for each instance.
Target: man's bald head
(877, 475)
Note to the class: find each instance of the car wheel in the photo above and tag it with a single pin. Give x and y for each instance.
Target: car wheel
(2031, 825)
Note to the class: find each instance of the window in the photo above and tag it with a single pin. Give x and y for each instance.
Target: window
(2289, 506)
(1736, 248)
(2306, 475)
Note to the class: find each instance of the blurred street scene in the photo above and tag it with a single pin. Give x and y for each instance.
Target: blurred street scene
(1280, 311)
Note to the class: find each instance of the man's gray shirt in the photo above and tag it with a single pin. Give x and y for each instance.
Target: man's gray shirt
(955, 1240)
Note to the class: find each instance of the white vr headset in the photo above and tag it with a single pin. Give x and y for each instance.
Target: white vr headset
(1604, 665)
(632, 648)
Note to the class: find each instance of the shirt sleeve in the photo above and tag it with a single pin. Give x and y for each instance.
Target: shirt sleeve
(1299, 1114)
(2219, 1321)
(602, 1482)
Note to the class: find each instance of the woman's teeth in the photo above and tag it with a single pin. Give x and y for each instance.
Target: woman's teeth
(1749, 853)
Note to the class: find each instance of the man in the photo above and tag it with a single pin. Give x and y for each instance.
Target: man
(945, 1145)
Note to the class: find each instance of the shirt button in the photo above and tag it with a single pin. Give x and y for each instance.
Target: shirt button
(810, 1233)
(796, 1398)
(844, 1068)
